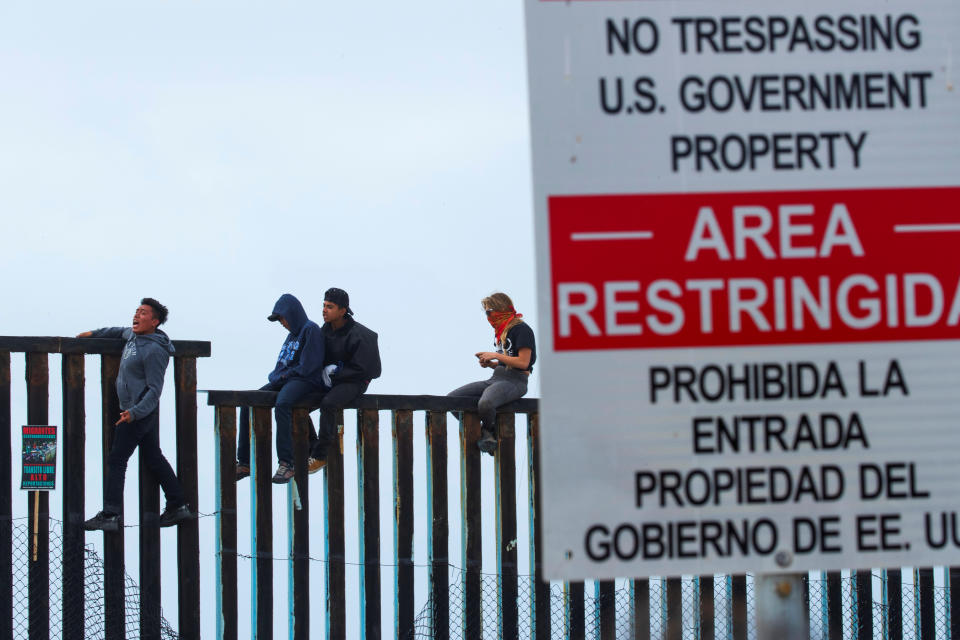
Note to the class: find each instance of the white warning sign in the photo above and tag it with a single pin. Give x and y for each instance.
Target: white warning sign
(747, 220)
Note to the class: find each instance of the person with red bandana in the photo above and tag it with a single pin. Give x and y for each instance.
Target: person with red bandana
(512, 364)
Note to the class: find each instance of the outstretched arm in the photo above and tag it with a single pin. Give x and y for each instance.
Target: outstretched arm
(106, 332)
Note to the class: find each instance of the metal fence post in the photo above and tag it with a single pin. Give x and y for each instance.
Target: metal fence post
(705, 615)
(37, 374)
(574, 617)
(505, 486)
(437, 536)
(113, 543)
(6, 502)
(261, 505)
(540, 611)
(336, 619)
(298, 513)
(188, 533)
(471, 525)
(225, 429)
(403, 523)
(73, 495)
(368, 503)
(149, 537)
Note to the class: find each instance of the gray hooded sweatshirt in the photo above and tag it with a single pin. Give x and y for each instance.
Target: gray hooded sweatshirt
(142, 367)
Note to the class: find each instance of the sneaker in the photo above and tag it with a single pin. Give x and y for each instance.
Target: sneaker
(243, 471)
(175, 515)
(315, 464)
(104, 521)
(487, 442)
(283, 474)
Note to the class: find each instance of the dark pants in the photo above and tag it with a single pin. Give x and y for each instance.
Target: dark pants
(340, 395)
(290, 393)
(144, 433)
(505, 385)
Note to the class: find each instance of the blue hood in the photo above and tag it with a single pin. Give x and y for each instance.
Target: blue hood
(292, 311)
(301, 355)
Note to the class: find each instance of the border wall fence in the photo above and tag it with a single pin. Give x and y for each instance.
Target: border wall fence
(73, 554)
(462, 601)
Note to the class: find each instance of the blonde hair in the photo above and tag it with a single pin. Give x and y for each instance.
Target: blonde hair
(501, 302)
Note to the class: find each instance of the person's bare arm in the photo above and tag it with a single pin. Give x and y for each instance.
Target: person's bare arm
(519, 361)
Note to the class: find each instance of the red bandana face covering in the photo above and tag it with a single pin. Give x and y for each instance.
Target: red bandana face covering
(499, 321)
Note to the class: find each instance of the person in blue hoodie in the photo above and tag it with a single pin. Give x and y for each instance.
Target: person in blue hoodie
(139, 384)
(298, 372)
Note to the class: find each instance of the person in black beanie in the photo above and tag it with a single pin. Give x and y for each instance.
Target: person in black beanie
(351, 361)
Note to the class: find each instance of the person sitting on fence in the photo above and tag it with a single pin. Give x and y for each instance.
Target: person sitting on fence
(512, 364)
(139, 384)
(352, 361)
(298, 373)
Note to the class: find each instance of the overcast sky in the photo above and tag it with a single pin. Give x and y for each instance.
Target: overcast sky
(215, 156)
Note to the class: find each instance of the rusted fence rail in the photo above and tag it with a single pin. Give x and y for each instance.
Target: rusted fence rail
(36, 351)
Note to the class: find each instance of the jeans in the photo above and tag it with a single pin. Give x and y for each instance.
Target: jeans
(290, 392)
(144, 433)
(505, 385)
(340, 395)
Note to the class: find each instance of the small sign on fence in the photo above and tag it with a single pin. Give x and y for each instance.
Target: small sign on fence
(39, 458)
(747, 227)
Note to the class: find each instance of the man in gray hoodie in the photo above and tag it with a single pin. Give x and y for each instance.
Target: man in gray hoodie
(139, 384)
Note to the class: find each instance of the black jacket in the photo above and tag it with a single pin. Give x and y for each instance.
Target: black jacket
(354, 348)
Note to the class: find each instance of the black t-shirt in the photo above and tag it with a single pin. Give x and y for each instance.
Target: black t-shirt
(520, 337)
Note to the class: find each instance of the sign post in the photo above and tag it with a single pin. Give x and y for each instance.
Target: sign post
(38, 471)
(747, 224)
(39, 458)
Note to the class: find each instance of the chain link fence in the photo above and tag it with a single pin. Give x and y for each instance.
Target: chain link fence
(91, 591)
(690, 607)
(908, 618)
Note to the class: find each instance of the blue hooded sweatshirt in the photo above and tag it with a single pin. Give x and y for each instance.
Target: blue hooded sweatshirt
(142, 367)
(301, 355)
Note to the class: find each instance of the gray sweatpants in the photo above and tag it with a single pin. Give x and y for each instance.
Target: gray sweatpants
(505, 385)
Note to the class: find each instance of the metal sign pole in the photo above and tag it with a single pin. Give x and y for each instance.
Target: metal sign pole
(781, 611)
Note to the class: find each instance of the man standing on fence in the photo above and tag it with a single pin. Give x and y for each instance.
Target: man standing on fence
(139, 384)
(298, 372)
(352, 361)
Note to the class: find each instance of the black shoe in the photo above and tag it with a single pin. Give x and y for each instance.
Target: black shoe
(243, 470)
(175, 515)
(487, 442)
(104, 521)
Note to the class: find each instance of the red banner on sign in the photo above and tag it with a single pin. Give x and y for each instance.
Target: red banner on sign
(787, 267)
